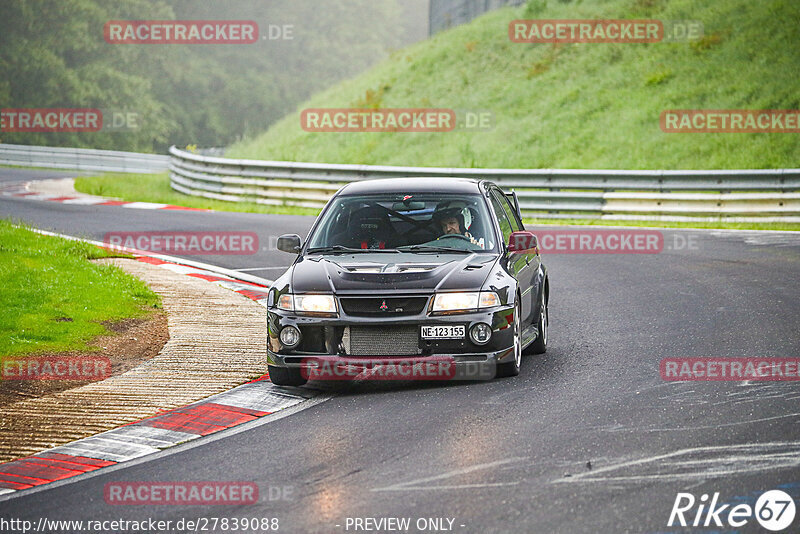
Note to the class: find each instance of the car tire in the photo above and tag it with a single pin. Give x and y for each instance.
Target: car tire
(539, 346)
(512, 368)
(285, 376)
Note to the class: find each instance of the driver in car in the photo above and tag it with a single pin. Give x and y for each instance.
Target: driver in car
(454, 218)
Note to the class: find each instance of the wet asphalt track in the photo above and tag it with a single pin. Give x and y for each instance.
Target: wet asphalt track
(508, 455)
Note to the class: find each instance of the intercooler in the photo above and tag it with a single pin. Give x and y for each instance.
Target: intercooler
(384, 340)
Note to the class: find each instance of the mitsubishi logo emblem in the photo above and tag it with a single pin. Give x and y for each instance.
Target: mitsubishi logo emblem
(384, 307)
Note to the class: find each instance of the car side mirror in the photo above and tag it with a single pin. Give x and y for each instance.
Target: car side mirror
(522, 241)
(290, 243)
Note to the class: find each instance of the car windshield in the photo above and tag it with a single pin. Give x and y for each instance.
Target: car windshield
(406, 222)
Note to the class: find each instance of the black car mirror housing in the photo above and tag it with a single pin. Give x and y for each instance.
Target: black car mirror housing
(290, 243)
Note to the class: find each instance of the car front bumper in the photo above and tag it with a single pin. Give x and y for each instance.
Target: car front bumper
(322, 342)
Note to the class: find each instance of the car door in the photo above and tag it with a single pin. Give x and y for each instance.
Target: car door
(532, 260)
(518, 263)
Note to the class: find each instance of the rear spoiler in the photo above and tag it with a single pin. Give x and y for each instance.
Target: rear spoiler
(512, 197)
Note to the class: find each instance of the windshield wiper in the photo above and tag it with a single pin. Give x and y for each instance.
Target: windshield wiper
(342, 248)
(334, 248)
(431, 248)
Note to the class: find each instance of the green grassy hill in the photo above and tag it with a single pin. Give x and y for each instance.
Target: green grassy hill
(572, 105)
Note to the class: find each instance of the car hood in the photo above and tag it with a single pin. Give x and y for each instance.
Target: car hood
(391, 272)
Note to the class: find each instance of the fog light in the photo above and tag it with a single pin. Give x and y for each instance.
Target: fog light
(480, 334)
(290, 336)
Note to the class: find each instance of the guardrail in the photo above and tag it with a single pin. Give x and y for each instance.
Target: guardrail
(82, 159)
(738, 196)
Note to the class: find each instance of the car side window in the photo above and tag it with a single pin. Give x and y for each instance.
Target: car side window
(502, 217)
(511, 213)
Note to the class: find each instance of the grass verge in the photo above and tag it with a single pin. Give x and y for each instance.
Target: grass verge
(155, 188)
(53, 299)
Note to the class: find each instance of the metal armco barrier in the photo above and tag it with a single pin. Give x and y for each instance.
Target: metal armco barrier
(771, 195)
(82, 159)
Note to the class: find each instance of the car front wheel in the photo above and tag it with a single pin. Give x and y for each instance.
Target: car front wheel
(540, 345)
(285, 376)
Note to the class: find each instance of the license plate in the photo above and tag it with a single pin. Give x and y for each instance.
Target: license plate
(443, 332)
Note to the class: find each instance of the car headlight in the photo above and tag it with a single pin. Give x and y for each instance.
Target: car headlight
(285, 302)
(446, 302)
(316, 304)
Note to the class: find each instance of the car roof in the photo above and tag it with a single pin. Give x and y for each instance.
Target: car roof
(412, 185)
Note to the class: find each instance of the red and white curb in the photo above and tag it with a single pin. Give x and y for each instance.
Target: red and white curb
(240, 405)
(20, 190)
(251, 290)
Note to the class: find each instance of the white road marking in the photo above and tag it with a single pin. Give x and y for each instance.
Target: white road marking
(262, 396)
(36, 197)
(456, 486)
(236, 286)
(413, 484)
(105, 447)
(703, 427)
(85, 201)
(723, 460)
(248, 269)
(144, 206)
(147, 435)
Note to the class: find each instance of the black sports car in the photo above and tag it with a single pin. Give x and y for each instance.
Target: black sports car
(416, 270)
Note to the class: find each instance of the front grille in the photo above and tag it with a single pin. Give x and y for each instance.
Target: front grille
(377, 306)
(384, 340)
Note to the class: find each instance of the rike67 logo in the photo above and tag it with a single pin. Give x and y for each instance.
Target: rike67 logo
(774, 510)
